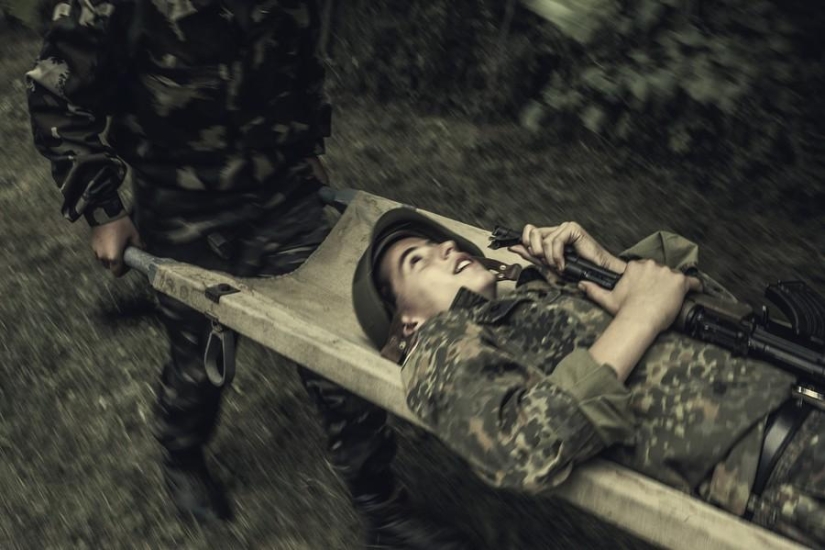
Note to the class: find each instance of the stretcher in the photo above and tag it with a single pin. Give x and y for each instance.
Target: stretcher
(307, 316)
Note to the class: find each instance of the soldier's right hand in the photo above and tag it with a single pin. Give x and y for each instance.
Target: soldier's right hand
(648, 294)
(545, 245)
(110, 240)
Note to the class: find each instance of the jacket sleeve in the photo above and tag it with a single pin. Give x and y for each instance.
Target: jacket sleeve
(70, 92)
(670, 249)
(311, 77)
(676, 252)
(516, 427)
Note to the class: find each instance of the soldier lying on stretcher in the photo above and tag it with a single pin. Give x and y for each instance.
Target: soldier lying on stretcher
(527, 385)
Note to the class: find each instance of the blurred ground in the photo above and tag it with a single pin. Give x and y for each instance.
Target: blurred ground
(80, 353)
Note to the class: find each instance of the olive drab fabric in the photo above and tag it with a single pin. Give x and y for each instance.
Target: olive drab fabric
(202, 106)
(508, 384)
(794, 501)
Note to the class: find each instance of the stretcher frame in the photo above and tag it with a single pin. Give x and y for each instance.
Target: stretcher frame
(307, 316)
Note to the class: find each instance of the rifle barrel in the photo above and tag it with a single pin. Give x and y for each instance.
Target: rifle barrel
(797, 358)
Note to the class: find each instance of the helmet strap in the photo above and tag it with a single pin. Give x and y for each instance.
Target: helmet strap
(398, 345)
(504, 272)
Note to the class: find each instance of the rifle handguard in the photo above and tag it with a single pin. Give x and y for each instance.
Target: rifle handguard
(730, 312)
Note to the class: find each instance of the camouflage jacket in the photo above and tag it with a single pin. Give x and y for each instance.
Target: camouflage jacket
(509, 385)
(208, 101)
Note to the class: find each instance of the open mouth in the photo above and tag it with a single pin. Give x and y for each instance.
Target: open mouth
(462, 264)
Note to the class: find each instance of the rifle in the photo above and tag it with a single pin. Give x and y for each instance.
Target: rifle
(796, 344)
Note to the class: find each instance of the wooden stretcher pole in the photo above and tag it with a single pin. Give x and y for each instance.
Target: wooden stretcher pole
(257, 317)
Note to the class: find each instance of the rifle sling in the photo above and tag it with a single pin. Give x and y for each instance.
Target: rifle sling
(782, 424)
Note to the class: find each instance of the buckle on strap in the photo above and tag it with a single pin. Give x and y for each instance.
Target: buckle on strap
(508, 272)
(219, 356)
(809, 394)
(782, 425)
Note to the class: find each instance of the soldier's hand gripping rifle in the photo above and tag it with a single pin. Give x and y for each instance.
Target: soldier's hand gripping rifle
(797, 345)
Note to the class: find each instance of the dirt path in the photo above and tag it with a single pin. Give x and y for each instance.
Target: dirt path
(80, 357)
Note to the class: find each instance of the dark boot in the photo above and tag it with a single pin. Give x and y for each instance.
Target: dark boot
(392, 522)
(194, 491)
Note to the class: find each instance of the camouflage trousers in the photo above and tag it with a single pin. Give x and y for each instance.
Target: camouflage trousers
(793, 502)
(360, 442)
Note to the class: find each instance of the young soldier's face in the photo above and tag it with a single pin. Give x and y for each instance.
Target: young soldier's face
(426, 276)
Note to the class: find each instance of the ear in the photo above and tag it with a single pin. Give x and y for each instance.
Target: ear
(410, 324)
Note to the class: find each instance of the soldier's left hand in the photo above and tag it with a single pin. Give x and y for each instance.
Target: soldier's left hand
(545, 246)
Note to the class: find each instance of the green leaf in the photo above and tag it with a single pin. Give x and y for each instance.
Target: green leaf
(640, 57)
(625, 26)
(672, 48)
(533, 115)
(564, 99)
(679, 140)
(784, 27)
(640, 88)
(754, 22)
(593, 118)
(596, 79)
(649, 13)
(782, 72)
(702, 90)
(726, 104)
(689, 36)
(663, 83)
(780, 44)
(623, 126)
(701, 83)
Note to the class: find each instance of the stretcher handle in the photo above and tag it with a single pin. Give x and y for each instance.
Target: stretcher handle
(337, 198)
(142, 261)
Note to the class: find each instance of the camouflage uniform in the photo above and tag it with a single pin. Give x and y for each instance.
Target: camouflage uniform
(215, 111)
(510, 386)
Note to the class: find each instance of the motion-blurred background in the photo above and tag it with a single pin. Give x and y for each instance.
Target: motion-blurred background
(704, 118)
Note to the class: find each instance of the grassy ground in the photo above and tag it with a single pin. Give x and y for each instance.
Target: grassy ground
(80, 353)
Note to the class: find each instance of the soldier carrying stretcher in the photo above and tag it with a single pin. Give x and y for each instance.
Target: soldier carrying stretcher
(217, 106)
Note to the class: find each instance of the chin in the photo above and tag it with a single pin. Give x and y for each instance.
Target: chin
(485, 287)
(489, 291)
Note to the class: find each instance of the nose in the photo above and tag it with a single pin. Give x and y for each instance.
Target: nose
(446, 248)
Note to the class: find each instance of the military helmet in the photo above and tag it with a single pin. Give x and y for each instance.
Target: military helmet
(374, 312)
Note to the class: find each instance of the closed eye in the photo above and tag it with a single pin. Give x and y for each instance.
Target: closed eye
(416, 256)
(412, 255)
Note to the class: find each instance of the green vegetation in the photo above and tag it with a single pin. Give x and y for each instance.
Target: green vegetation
(731, 88)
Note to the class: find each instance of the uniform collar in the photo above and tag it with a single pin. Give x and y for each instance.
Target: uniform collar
(484, 310)
(467, 299)
(530, 274)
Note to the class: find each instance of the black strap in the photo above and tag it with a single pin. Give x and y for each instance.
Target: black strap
(782, 424)
(508, 272)
(219, 356)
